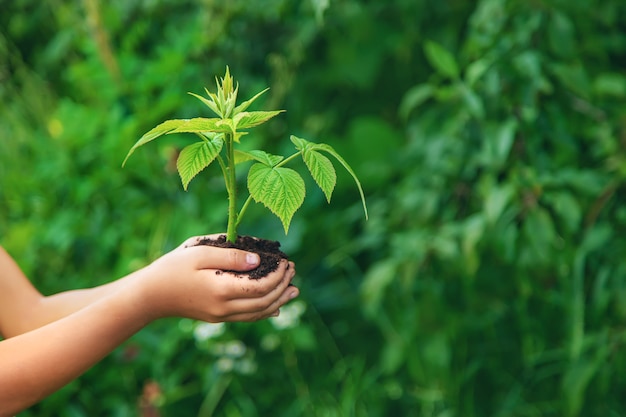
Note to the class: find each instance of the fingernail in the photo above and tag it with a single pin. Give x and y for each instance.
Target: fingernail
(293, 294)
(252, 258)
(276, 313)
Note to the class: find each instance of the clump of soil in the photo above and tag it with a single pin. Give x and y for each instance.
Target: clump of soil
(268, 250)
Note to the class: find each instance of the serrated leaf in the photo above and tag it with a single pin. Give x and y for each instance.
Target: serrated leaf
(300, 143)
(279, 189)
(260, 156)
(441, 59)
(201, 124)
(242, 156)
(246, 120)
(243, 106)
(209, 103)
(322, 171)
(197, 156)
(154, 133)
(329, 149)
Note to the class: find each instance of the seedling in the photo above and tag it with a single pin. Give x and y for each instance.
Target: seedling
(269, 182)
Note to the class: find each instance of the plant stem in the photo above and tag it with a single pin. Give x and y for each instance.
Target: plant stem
(231, 181)
(212, 399)
(286, 160)
(224, 169)
(243, 209)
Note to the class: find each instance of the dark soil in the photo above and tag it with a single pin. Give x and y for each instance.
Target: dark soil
(268, 250)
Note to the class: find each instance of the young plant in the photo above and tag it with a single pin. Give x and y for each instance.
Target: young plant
(269, 182)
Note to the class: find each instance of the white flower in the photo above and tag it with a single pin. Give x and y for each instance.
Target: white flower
(204, 331)
(225, 364)
(246, 366)
(235, 349)
(289, 315)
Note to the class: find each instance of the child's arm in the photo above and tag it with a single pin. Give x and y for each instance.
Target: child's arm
(23, 308)
(26, 309)
(182, 283)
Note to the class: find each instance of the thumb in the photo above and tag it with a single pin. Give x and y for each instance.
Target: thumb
(210, 257)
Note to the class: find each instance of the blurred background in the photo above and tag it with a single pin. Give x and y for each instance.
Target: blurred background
(490, 138)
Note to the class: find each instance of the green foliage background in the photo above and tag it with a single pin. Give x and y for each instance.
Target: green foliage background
(490, 137)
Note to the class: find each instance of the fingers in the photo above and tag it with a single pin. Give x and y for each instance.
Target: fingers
(271, 310)
(257, 302)
(237, 298)
(210, 257)
(271, 300)
(270, 285)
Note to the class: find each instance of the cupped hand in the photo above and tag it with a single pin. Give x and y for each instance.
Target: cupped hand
(190, 282)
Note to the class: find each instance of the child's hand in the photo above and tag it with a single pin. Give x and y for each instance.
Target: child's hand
(189, 282)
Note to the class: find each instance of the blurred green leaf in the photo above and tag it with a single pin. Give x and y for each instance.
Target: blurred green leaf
(539, 229)
(610, 84)
(561, 35)
(413, 98)
(375, 282)
(475, 71)
(441, 59)
(567, 208)
(496, 200)
(573, 77)
(472, 101)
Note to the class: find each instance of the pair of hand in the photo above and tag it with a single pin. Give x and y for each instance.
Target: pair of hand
(78, 328)
(189, 282)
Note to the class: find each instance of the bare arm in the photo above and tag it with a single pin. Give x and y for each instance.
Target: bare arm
(23, 308)
(37, 363)
(17, 294)
(182, 283)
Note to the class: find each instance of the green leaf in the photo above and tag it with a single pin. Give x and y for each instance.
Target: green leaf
(322, 171)
(260, 156)
(243, 106)
(610, 84)
(414, 97)
(300, 143)
(566, 208)
(195, 157)
(473, 102)
(573, 77)
(154, 133)
(209, 103)
(280, 189)
(540, 232)
(245, 120)
(379, 276)
(329, 149)
(441, 59)
(496, 201)
(242, 156)
(476, 70)
(201, 124)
